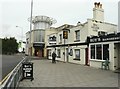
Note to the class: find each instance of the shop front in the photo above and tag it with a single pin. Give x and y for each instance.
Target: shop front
(104, 48)
(38, 49)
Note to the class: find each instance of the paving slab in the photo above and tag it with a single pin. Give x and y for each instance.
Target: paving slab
(47, 74)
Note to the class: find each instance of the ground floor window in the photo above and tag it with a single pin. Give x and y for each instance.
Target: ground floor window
(58, 53)
(105, 52)
(92, 51)
(77, 54)
(99, 51)
(49, 52)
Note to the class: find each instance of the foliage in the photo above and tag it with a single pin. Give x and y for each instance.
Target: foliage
(9, 45)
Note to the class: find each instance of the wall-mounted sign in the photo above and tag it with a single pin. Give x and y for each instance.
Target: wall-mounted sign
(38, 45)
(110, 37)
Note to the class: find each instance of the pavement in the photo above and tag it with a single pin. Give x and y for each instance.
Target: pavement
(62, 74)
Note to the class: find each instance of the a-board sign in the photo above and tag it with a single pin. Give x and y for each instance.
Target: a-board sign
(27, 70)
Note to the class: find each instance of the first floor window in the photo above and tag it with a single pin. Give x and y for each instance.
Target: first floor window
(77, 34)
(77, 53)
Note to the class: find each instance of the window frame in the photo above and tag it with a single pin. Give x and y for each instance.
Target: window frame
(77, 35)
(58, 53)
(76, 58)
(102, 53)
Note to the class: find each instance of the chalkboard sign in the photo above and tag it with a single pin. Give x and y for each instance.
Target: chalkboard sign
(27, 70)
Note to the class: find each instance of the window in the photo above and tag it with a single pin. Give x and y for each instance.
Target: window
(58, 53)
(99, 51)
(60, 37)
(53, 38)
(100, 33)
(106, 52)
(49, 52)
(92, 51)
(77, 34)
(39, 36)
(77, 54)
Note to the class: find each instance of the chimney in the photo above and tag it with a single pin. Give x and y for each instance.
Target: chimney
(98, 12)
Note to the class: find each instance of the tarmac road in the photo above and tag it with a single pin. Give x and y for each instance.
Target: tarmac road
(8, 63)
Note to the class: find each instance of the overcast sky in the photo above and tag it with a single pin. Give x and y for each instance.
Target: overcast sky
(16, 13)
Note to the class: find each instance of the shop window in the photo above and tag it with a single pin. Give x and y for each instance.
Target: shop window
(106, 52)
(77, 54)
(92, 51)
(58, 53)
(99, 51)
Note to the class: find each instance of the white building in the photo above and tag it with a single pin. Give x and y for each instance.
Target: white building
(77, 48)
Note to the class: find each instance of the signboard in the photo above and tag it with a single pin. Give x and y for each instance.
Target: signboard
(38, 45)
(107, 38)
(27, 70)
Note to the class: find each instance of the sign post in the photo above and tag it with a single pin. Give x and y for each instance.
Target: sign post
(65, 36)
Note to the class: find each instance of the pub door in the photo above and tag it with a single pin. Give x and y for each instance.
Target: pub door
(86, 57)
(117, 55)
(38, 52)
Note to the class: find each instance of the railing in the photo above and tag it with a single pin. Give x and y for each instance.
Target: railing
(14, 77)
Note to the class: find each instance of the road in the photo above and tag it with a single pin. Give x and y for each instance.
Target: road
(8, 63)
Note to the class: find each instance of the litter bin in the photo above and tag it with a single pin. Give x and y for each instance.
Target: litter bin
(27, 68)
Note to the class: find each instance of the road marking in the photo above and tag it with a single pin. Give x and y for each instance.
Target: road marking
(1, 82)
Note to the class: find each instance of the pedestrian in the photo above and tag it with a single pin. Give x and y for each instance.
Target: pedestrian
(53, 57)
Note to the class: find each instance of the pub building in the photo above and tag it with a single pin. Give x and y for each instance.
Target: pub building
(106, 47)
(88, 43)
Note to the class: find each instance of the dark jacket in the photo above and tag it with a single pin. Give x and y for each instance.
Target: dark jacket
(53, 55)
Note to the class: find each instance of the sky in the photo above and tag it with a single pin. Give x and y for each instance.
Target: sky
(16, 13)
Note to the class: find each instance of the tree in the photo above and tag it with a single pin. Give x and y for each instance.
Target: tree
(9, 45)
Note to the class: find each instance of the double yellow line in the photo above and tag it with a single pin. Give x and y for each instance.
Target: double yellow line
(2, 81)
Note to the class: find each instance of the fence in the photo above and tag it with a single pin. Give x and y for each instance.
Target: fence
(14, 77)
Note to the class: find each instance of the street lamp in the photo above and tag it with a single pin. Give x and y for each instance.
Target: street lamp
(21, 42)
(21, 32)
(31, 26)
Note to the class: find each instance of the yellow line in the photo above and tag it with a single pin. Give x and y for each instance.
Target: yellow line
(1, 82)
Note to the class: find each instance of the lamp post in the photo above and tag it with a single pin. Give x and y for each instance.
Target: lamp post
(31, 26)
(21, 32)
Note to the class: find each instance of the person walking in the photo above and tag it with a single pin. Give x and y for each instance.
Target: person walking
(53, 57)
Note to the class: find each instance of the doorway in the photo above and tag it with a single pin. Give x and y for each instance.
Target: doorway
(86, 56)
(117, 55)
(38, 52)
(67, 55)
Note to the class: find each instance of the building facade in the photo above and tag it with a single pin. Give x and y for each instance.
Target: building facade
(36, 43)
(78, 49)
(103, 48)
